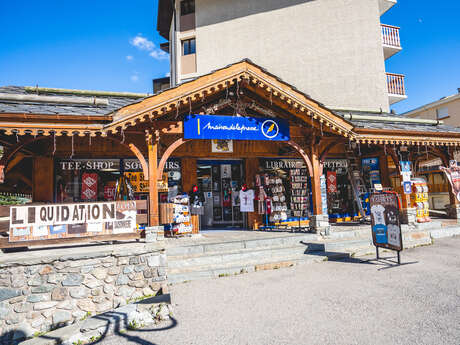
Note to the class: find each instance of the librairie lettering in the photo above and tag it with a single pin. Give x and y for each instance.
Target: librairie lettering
(284, 164)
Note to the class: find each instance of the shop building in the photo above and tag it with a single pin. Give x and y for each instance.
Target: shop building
(308, 158)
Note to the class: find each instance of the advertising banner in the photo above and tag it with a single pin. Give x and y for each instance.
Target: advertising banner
(235, 127)
(371, 170)
(89, 186)
(331, 182)
(386, 227)
(39, 222)
(453, 175)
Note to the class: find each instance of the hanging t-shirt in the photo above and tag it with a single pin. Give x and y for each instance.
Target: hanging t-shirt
(247, 200)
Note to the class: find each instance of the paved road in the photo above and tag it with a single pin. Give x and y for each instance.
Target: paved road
(347, 302)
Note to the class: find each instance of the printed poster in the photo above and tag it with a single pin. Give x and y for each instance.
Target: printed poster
(49, 221)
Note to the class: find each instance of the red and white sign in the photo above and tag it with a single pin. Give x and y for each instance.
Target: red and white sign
(331, 182)
(89, 186)
(109, 193)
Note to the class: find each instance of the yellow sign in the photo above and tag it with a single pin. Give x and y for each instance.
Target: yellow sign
(136, 179)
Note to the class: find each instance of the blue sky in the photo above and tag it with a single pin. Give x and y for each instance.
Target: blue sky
(113, 45)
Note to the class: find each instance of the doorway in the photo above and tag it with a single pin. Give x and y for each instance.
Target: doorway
(220, 182)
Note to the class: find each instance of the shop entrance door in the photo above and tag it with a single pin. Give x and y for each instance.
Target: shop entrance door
(220, 182)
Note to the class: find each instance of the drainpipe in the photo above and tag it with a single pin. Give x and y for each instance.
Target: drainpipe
(391, 119)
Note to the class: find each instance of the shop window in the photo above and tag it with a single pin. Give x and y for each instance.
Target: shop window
(188, 47)
(81, 180)
(187, 7)
(442, 113)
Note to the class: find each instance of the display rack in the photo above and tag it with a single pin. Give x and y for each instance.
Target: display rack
(181, 218)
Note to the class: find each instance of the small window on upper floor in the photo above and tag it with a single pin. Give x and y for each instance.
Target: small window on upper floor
(188, 46)
(442, 113)
(187, 7)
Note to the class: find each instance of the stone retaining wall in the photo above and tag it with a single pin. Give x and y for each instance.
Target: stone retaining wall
(38, 295)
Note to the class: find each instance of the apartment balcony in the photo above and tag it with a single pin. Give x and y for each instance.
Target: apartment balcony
(396, 90)
(390, 40)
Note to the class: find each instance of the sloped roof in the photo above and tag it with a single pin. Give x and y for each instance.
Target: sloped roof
(112, 101)
(122, 110)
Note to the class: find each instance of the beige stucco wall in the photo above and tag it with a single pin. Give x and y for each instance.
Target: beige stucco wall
(453, 109)
(329, 49)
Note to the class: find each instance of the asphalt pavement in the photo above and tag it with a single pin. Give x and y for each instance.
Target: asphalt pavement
(356, 301)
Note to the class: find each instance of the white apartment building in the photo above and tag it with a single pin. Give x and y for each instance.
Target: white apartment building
(334, 50)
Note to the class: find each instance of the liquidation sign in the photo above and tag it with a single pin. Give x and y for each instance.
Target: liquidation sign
(50, 221)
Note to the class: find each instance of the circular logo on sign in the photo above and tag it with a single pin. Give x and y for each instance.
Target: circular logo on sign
(270, 129)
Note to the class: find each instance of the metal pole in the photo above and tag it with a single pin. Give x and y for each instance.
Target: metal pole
(399, 258)
(377, 252)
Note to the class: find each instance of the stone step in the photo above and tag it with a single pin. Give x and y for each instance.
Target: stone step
(232, 246)
(250, 254)
(235, 268)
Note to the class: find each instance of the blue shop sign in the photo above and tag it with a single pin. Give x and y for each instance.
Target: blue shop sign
(235, 127)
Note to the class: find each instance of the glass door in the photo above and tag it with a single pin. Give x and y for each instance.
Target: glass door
(220, 182)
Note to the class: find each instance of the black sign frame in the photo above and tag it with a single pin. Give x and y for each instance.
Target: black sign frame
(386, 214)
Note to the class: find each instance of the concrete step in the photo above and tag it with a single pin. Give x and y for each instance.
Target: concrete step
(416, 238)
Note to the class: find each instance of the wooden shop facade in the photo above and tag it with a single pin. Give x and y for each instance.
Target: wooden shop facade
(238, 126)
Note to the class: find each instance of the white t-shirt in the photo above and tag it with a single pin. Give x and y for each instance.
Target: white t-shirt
(247, 200)
(378, 213)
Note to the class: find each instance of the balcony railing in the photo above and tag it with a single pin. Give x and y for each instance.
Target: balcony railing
(395, 84)
(390, 35)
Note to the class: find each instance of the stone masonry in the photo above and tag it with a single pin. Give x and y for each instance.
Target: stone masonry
(38, 295)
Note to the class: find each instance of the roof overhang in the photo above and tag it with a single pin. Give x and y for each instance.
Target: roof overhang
(244, 73)
(246, 76)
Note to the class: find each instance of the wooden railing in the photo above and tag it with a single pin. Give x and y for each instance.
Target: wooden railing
(395, 84)
(390, 35)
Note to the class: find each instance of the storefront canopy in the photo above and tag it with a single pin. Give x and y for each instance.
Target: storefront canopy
(56, 112)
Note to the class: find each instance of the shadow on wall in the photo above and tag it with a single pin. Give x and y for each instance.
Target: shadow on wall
(242, 8)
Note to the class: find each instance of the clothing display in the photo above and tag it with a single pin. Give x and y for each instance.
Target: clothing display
(247, 200)
(197, 201)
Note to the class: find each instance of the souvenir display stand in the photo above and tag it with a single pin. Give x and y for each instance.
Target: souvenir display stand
(179, 217)
(419, 199)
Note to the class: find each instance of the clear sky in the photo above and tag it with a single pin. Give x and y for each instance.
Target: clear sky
(113, 45)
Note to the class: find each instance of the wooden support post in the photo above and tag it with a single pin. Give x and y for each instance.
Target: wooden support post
(152, 144)
(384, 172)
(189, 174)
(319, 222)
(42, 179)
(316, 181)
